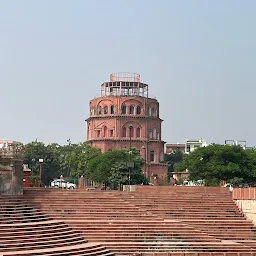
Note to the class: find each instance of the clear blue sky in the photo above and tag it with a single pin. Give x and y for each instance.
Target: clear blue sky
(198, 57)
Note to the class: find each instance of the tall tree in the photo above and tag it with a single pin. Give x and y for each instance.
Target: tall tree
(80, 157)
(37, 150)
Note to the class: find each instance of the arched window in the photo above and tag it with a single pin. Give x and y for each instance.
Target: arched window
(131, 109)
(124, 132)
(153, 112)
(112, 111)
(150, 134)
(152, 156)
(99, 110)
(161, 158)
(138, 110)
(154, 133)
(138, 132)
(124, 109)
(105, 131)
(149, 111)
(89, 130)
(105, 110)
(131, 132)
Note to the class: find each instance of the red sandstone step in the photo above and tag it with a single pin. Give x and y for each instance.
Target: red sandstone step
(90, 250)
(167, 201)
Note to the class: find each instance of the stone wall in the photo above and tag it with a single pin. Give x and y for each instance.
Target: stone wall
(245, 199)
(180, 189)
(248, 207)
(11, 168)
(11, 179)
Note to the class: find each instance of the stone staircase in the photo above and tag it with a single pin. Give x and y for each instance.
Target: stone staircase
(127, 223)
(25, 230)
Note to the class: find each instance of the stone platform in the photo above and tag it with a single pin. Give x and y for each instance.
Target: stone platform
(175, 221)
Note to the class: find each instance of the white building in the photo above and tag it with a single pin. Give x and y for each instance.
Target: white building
(191, 145)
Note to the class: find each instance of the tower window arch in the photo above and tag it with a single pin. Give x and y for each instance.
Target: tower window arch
(149, 111)
(89, 131)
(124, 132)
(124, 109)
(161, 157)
(151, 134)
(138, 132)
(138, 110)
(112, 110)
(99, 110)
(105, 110)
(131, 132)
(105, 131)
(153, 112)
(131, 109)
(154, 133)
(152, 156)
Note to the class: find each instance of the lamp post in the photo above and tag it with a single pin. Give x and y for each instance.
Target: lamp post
(41, 169)
(145, 161)
(130, 153)
(69, 149)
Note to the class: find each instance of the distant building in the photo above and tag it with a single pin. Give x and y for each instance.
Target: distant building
(171, 148)
(189, 146)
(180, 175)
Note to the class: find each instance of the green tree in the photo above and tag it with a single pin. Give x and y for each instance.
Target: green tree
(217, 163)
(50, 167)
(173, 159)
(111, 168)
(64, 157)
(79, 158)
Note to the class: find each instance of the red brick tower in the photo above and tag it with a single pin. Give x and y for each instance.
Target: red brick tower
(123, 116)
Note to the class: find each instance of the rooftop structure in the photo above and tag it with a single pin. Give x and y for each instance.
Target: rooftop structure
(187, 147)
(124, 84)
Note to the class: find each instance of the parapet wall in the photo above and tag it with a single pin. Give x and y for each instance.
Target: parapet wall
(180, 189)
(244, 194)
